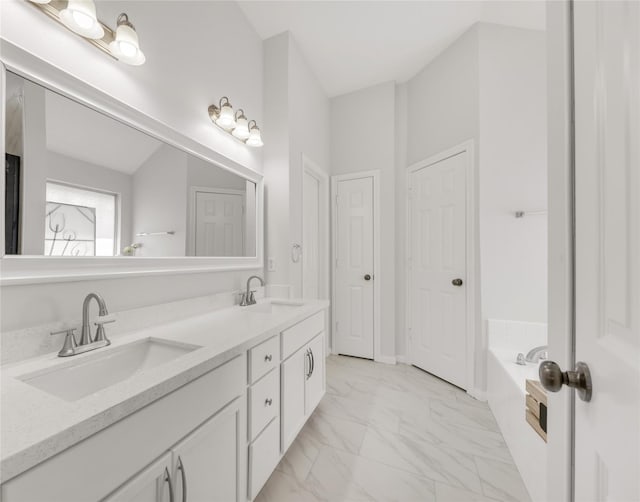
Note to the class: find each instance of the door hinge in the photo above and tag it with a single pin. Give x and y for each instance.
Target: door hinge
(336, 325)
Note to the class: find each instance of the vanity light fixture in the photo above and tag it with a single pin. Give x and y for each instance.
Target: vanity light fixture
(126, 47)
(236, 124)
(80, 17)
(255, 139)
(242, 126)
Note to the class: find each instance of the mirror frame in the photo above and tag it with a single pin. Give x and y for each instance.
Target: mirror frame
(19, 270)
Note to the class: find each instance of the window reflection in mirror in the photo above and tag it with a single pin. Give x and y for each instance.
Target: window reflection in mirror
(79, 183)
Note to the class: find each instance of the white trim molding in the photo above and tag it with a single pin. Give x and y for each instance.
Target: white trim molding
(19, 270)
(377, 273)
(475, 350)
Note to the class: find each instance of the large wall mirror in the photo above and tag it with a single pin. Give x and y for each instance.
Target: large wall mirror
(79, 183)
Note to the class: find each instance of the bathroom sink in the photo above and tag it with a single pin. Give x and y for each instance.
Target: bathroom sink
(274, 307)
(77, 379)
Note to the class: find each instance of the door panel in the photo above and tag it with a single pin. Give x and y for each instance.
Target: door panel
(315, 384)
(219, 225)
(607, 261)
(207, 459)
(438, 256)
(354, 260)
(293, 370)
(150, 485)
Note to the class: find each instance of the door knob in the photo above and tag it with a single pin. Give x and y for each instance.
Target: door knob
(367, 277)
(553, 378)
(457, 282)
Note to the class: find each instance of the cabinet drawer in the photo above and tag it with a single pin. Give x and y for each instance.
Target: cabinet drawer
(296, 336)
(264, 455)
(263, 358)
(264, 402)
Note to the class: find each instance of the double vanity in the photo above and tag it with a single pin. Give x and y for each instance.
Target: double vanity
(197, 409)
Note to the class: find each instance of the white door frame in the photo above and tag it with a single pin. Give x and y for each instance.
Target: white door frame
(191, 226)
(472, 325)
(311, 168)
(375, 174)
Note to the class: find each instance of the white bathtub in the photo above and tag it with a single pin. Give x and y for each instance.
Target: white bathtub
(506, 396)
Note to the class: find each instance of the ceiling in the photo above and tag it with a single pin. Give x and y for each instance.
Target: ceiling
(84, 134)
(355, 44)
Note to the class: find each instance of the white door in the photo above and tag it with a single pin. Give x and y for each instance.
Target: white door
(219, 225)
(437, 269)
(153, 484)
(310, 236)
(205, 463)
(354, 276)
(607, 261)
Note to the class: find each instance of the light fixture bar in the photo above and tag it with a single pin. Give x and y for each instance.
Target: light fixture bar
(53, 8)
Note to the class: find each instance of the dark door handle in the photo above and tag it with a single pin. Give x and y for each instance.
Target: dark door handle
(553, 378)
(367, 277)
(457, 282)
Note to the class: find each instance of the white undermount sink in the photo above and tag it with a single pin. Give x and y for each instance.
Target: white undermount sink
(80, 378)
(274, 307)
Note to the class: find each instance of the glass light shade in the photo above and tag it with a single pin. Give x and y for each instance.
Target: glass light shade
(254, 137)
(226, 119)
(242, 128)
(126, 47)
(41, 2)
(80, 17)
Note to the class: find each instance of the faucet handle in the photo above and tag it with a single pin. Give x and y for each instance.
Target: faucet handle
(105, 319)
(252, 298)
(70, 344)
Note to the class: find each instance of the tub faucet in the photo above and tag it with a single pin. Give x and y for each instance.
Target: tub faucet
(537, 354)
(247, 296)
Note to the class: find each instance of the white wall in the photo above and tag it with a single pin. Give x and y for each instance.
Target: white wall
(296, 124)
(363, 139)
(513, 172)
(160, 203)
(181, 78)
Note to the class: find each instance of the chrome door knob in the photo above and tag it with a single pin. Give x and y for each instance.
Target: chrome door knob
(457, 282)
(553, 378)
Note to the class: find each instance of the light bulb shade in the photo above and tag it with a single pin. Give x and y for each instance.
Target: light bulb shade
(226, 119)
(242, 128)
(41, 2)
(126, 47)
(254, 138)
(80, 17)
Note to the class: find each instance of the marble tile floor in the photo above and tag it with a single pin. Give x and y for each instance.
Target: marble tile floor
(395, 433)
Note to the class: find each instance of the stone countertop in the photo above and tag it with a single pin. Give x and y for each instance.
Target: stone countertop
(35, 425)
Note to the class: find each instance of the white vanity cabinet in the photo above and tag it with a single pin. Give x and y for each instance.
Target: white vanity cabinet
(303, 374)
(198, 431)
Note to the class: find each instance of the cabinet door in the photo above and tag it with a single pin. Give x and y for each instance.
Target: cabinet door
(293, 373)
(153, 484)
(315, 384)
(206, 463)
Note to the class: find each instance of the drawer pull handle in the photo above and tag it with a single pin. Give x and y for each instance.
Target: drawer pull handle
(183, 474)
(268, 401)
(167, 479)
(268, 357)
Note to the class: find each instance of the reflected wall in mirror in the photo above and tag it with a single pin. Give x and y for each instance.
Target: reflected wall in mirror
(79, 183)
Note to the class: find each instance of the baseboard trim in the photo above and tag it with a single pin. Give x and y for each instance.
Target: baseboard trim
(386, 359)
(402, 360)
(478, 394)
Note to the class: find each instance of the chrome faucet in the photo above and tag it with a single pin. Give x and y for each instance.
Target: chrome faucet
(248, 297)
(537, 354)
(87, 343)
